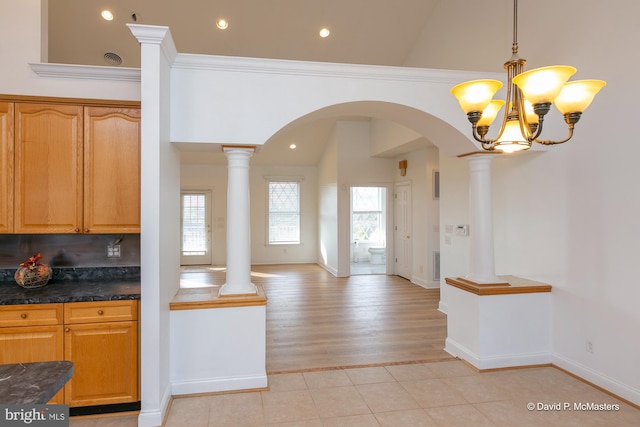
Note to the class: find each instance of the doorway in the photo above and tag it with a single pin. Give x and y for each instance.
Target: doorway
(195, 227)
(402, 231)
(368, 230)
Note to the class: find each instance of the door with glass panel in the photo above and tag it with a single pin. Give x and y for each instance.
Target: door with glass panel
(195, 229)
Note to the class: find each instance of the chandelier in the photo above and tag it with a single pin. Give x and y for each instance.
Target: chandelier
(529, 98)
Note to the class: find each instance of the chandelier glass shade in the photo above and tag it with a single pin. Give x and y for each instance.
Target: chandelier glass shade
(529, 97)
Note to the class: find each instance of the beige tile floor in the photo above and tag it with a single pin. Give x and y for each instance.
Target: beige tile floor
(431, 394)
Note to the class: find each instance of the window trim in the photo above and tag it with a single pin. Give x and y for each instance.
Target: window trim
(268, 180)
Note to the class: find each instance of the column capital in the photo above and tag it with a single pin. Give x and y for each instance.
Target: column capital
(246, 148)
(479, 154)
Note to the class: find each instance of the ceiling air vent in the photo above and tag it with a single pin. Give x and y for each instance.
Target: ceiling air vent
(112, 58)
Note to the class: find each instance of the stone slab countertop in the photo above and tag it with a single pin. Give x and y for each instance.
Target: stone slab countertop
(33, 383)
(74, 285)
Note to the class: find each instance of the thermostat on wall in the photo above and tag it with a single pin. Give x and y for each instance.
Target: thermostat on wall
(462, 230)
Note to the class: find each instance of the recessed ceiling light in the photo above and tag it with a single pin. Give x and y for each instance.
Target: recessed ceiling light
(106, 15)
(293, 146)
(324, 32)
(222, 23)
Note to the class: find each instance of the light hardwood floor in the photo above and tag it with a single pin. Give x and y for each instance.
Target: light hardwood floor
(318, 321)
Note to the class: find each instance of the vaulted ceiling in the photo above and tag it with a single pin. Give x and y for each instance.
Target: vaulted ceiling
(379, 32)
(374, 32)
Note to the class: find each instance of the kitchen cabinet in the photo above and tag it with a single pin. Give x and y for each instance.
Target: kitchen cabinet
(48, 168)
(32, 333)
(6, 167)
(101, 338)
(111, 170)
(69, 168)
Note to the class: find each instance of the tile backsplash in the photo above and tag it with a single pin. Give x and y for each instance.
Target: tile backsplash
(69, 250)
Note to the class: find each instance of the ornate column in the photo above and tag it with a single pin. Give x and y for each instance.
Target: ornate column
(482, 263)
(238, 223)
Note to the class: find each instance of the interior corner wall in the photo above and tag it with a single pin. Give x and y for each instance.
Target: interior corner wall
(425, 212)
(356, 167)
(387, 135)
(328, 207)
(454, 210)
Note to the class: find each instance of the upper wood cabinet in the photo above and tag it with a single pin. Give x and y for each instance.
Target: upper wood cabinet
(69, 168)
(48, 168)
(6, 167)
(111, 170)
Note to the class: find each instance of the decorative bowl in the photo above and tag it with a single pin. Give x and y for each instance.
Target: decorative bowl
(31, 274)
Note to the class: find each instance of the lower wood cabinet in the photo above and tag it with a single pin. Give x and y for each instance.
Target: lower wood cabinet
(102, 341)
(32, 333)
(100, 338)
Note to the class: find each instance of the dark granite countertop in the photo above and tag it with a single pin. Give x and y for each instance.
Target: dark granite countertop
(74, 285)
(33, 383)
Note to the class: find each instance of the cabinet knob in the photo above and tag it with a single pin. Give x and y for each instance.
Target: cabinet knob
(67, 329)
(23, 316)
(77, 230)
(86, 230)
(100, 312)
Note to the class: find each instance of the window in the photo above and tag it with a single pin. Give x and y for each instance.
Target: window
(195, 218)
(284, 212)
(367, 223)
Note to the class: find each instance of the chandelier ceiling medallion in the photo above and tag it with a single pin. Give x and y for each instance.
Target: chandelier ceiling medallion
(529, 98)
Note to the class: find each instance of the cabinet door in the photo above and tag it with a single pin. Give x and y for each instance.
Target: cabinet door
(6, 167)
(105, 360)
(112, 170)
(32, 344)
(48, 168)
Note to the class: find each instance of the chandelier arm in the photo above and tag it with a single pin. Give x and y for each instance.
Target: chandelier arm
(549, 142)
(534, 136)
(488, 146)
(479, 133)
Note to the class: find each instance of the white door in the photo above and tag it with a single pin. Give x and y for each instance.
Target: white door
(195, 227)
(403, 246)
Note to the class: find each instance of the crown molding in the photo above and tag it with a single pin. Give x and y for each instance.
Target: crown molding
(235, 64)
(86, 72)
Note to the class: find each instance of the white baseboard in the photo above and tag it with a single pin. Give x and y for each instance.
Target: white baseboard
(213, 385)
(497, 361)
(442, 307)
(329, 269)
(612, 385)
(155, 417)
(427, 284)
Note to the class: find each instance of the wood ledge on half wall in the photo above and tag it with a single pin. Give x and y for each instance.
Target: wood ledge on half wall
(207, 297)
(511, 285)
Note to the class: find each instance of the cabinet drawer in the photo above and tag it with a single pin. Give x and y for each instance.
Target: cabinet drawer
(100, 311)
(30, 315)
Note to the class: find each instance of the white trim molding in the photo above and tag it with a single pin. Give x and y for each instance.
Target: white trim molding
(85, 72)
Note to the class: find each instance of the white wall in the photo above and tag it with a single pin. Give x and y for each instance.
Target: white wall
(356, 168)
(425, 212)
(328, 207)
(214, 177)
(305, 252)
(22, 44)
(567, 217)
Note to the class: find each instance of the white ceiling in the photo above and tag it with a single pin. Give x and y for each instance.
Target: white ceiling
(376, 32)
